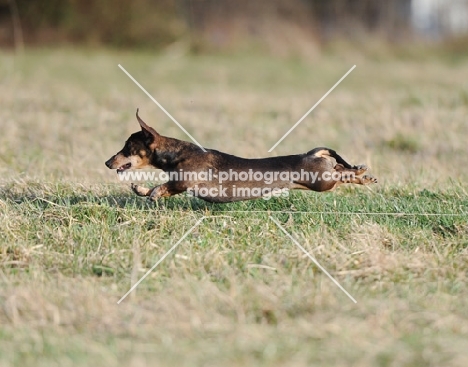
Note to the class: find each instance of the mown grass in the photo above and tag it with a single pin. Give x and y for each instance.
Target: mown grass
(236, 291)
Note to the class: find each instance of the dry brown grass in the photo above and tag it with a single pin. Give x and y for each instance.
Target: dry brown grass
(237, 292)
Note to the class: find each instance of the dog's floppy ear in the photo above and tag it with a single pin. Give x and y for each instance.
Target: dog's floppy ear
(148, 130)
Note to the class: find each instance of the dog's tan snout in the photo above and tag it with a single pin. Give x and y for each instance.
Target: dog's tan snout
(110, 162)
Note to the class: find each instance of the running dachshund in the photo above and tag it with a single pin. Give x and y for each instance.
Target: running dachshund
(218, 177)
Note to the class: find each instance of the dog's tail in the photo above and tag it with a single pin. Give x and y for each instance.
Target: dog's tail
(320, 152)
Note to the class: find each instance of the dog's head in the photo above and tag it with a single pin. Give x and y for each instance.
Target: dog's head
(137, 150)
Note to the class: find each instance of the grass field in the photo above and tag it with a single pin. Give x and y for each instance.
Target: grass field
(237, 291)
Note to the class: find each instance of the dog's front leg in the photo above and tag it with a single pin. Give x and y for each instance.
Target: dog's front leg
(156, 192)
(141, 191)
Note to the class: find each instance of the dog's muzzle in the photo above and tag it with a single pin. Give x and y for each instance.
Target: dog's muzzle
(109, 162)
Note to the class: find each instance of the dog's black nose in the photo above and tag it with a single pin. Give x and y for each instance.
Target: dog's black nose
(109, 162)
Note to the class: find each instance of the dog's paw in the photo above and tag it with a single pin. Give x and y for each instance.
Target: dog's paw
(360, 169)
(154, 195)
(140, 190)
(369, 179)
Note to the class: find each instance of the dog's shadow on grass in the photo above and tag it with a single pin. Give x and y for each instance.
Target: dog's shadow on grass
(183, 203)
(68, 197)
(166, 204)
(43, 200)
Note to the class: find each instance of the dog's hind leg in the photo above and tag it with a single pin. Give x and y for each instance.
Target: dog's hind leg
(347, 176)
(350, 177)
(356, 170)
(327, 152)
